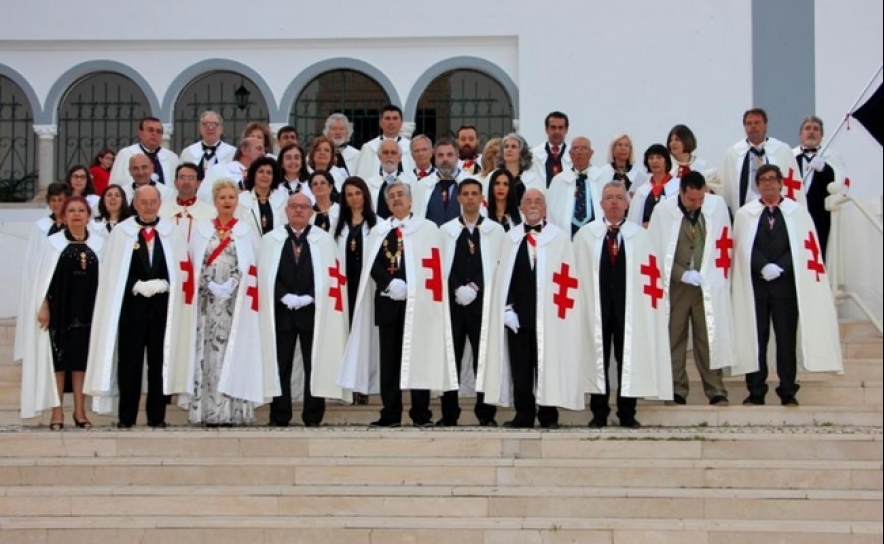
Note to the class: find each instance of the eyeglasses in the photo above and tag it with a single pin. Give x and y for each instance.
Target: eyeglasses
(211, 124)
(614, 197)
(768, 179)
(300, 206)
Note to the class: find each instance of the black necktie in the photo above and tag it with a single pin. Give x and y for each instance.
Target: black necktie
(580, 199)
(339, 160)
(208, 156)
(157, 166)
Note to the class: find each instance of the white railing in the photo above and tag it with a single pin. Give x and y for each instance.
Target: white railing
(834, 203)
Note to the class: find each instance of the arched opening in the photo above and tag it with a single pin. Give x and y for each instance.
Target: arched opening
(352, 93)
(18, 144)
(233, 96)
(101, 110)
(464, 97)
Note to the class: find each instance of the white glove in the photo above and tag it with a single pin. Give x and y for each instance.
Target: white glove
(216, 289)
(465, 295)
(150, 288)
(511, 320)
(290, 301)
(817, 163)
(771, 272)
(302, 300)
(692, 277)
(397, 290)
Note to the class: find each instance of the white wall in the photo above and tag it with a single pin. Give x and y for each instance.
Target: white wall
(613, 66)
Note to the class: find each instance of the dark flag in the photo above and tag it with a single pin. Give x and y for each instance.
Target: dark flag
(871, 114)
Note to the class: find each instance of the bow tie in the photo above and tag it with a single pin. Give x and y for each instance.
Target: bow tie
(807, 150)
(186, 202)
(535, 228)
(207, 147)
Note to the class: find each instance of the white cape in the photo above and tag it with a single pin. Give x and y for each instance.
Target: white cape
(560, 375)
(647, 367)
(819, 345)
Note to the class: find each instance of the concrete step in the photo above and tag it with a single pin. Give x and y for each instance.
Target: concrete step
(432, 530)
(650, 413)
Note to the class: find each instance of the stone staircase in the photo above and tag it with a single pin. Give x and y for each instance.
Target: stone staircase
(693, 474)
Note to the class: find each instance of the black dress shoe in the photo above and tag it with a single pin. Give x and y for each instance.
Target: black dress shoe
(487, 423)
(630, 424)
(753, 400)
(312, 424)
(423, 424)
(385, 423)
(718, 400)
(550, 426)
(789, 401)
(121, 425)
(598, 423)
(278, 424)
(678, 399)
(157, 424)
(446, 423)
(514, 424)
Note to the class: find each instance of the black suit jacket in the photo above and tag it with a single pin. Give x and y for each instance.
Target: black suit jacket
(771, 245)
(296, 279)
(136, 308)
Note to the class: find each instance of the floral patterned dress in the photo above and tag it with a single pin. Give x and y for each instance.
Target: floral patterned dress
(209, 406)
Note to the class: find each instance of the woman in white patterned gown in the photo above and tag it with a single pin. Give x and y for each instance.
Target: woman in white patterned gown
(223, 254)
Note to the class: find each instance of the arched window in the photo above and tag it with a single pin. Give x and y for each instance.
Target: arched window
(464, 97)
(18, 145)
(101, 110)
(233, 96)
(352, 93)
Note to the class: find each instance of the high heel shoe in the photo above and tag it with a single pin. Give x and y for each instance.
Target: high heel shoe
(56, 426)
(85, 424)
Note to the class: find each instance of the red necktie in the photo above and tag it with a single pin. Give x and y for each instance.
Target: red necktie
(555, 151)
(187, 203)
(468, 165)
(148, 234)
(422, 174)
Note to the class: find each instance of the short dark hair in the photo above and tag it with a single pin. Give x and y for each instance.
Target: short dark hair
(766, 168)
(57, 188)
(470, 181)
(467, 127)
(391, 107)
(658, 149)
(192, 166)
(141, 123)
(556, 115)
(686, 135)
(285, 130)
(692, 180)
(754, 111)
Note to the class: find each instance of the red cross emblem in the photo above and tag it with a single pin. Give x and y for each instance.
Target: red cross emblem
(814, 264)
(652, 271)
(339, 280)
(252, 289)
(187, 286)
(724, 244)
(565, 281)
(434, 282)
(792, 184)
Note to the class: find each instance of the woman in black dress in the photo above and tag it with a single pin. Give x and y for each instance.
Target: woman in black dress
(66, 310)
